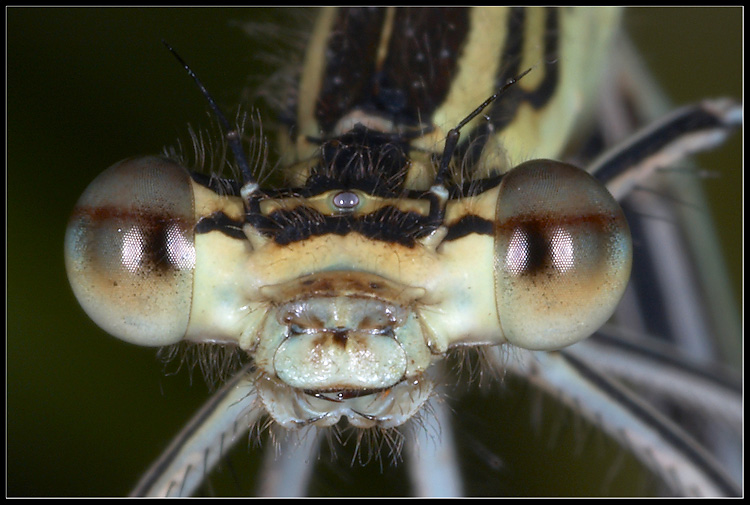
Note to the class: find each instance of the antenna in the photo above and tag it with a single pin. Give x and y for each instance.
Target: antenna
(438, 189)
(250, 186)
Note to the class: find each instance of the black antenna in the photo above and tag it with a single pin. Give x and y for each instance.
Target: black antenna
(438, 189)
(250, 185)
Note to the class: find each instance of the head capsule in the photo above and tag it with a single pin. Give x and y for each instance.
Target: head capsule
(130, 250)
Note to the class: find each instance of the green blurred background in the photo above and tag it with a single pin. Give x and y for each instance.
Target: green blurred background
(86, 413)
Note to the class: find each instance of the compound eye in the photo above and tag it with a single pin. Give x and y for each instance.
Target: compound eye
(130, 250)
(562, 255)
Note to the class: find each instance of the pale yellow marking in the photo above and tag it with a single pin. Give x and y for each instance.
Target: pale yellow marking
(475, 76)
(311, 82)
(532, 53)
(583, 45)
(385, 37)
(368, 204)
(220, 302)
(208, 202)
(482, 205)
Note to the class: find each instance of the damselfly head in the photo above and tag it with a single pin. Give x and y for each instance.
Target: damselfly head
(345, 291)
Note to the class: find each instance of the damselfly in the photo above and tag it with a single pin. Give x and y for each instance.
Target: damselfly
(421, 205)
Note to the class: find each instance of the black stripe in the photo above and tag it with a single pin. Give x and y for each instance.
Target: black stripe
(644, 281)
(350, 55)
(470, 224)
(421, 62)
(689, 120)
(542, 94)
(675, 438)
(505, 107)
(416, 74)
(218, 221)
(510, 58)
(387, 224)
(715, 375)
(504, 110)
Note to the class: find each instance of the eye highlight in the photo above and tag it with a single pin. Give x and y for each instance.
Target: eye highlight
(563, 254)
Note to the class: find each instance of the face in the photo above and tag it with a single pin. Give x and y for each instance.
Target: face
(87, 414)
